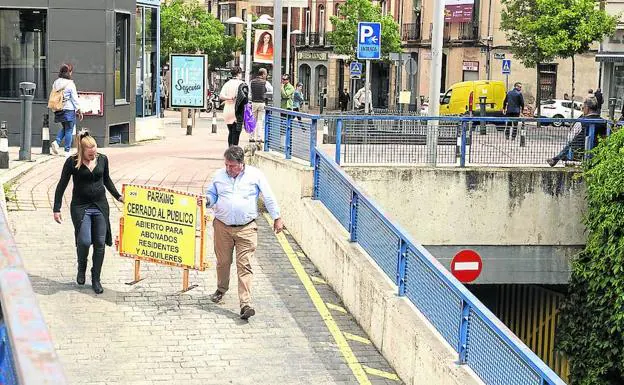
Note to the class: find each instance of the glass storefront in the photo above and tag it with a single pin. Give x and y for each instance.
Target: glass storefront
(617, 85)
(147, 65)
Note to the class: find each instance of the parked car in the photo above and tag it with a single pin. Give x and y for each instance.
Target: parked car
(560, 109)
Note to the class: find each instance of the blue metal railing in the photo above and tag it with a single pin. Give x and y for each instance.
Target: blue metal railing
(290, 133)
(459, 141)
(482, 341)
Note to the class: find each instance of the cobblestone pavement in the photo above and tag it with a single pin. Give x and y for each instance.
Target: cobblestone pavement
(150, 333)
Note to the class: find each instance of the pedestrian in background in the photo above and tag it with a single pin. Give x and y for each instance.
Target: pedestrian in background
(235, 94)
(298, 99)
(344, 99)
(233, 193)
(288, 91)
(599, 98)
(88, 208)
(578, 132)
(71, 109)
(259, 87)
(513, 105)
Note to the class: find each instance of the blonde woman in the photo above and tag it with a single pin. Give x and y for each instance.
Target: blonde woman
(88, 208)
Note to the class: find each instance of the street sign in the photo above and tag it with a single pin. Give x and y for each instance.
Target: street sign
(411, 66)
(355, 69)
(499, 56)
(466, 266)
(369, 41)
(507, 67)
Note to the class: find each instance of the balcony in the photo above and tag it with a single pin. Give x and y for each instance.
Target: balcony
(311, 40)
(462, 32)
(468, 31)
(410, 32)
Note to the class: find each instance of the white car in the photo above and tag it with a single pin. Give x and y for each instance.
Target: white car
(559, 109)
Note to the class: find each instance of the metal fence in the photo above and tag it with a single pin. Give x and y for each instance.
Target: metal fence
(27, 355)
(482, 341)
(290, 133)
(386, 137)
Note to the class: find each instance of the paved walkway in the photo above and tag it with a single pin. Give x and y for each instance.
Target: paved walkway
(150, 333)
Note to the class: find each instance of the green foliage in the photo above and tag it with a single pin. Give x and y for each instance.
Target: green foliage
(591, 324)
(344, 35)
(9, 194)
(186, 27)
(542, 30)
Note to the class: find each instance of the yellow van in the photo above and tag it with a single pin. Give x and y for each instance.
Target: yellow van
(463, 97)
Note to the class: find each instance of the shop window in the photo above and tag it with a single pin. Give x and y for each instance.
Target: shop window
(147, 61)
(122, 56)
(23, 51)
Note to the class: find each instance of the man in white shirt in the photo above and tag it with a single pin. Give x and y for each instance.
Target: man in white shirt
(233, 193)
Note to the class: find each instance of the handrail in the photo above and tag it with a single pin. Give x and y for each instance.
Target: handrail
(34, 358)
(547, 375)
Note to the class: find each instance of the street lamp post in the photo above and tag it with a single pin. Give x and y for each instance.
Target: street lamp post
(288, 37)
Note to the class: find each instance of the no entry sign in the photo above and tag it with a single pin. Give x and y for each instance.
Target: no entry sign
(466, 266)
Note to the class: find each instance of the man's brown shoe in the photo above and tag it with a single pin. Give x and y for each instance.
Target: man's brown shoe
(247, 311)
(216, 297)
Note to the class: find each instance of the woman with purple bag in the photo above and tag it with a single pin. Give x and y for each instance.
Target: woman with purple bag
(235, 94)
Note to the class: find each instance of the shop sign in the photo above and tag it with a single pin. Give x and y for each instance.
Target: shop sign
(307, 55)
(471, 66)
(458, 11)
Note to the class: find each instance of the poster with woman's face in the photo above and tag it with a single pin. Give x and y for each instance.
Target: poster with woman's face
(263, 52)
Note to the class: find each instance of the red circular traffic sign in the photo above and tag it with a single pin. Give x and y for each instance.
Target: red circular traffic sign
(466, 266)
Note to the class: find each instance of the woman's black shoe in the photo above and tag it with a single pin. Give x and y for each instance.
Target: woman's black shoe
(97, 287)
(80, 278)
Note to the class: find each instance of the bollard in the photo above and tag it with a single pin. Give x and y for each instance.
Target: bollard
(4, 145)
(482, 128)
(45, 135)
(522, 134)
(189, 122)
(612, 102)
(214, 119)
(27, 91)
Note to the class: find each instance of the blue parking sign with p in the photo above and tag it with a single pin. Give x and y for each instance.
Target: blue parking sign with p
(369, 41)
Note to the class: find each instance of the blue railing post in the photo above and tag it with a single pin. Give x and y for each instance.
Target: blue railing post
(462, 347)
(313, 133)
(353, 217)
(338, 139)
(590, 140)
(288, 144)
(401, 265)
(316, 158)
(267, 129)
(462, 148)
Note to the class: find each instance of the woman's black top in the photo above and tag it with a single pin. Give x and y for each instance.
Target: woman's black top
(89, 191)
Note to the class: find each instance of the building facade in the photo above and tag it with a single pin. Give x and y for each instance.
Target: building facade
(474, 50)
(114, 48)
(611, 60)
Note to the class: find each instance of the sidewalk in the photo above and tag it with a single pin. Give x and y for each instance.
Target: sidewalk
(150, 333)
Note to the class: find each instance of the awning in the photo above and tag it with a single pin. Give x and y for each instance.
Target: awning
(610, 57)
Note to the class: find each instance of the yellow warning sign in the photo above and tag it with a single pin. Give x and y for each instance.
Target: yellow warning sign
(160, 225)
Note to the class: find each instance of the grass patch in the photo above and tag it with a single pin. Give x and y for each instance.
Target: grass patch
(9, 194)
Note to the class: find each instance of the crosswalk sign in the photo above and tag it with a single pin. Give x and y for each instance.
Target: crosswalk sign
(506, 67)
(355, 69)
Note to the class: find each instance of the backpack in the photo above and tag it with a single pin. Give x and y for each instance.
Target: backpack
(55, 101)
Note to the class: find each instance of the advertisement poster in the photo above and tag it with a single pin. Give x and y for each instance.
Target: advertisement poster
(263, 52)
(188, 81)
(159, 225)
(458, 11)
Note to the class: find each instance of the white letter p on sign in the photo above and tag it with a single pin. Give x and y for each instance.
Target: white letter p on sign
(367, 31)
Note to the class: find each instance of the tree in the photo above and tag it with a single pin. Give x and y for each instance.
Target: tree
(591, 323)
(344, 35)
(541, 30)
(188, 28)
